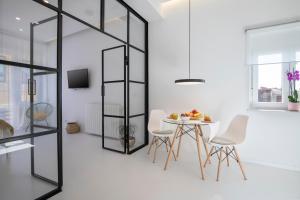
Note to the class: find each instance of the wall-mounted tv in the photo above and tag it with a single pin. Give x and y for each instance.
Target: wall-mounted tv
(78, 78)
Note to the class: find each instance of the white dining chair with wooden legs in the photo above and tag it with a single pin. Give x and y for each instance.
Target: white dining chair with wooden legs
(224, 146)
(160, 137)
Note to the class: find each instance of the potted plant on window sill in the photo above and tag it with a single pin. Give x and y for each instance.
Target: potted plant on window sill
(293, 77)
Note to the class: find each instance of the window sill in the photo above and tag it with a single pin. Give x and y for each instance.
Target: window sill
(279, 110)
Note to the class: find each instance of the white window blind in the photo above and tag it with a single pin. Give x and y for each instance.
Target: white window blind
(281, 40)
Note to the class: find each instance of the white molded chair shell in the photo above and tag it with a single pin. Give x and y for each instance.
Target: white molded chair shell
(236, 132)
(154, 125)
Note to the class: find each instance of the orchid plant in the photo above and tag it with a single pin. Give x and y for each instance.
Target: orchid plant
(293, 76)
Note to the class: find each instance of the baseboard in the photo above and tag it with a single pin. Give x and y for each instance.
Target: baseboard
(273, 165)
(107, 137)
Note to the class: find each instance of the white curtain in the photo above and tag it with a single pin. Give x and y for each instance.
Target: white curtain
(17, 49)
(282, 41)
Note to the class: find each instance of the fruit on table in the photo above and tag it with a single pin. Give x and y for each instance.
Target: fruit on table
(194, 114)
(174, 116)
(207, 118)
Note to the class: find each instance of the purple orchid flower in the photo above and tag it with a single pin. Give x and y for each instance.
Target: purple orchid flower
(296, 75)
(290, 76)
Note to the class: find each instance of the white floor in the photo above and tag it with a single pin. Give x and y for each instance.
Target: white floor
(93, 173)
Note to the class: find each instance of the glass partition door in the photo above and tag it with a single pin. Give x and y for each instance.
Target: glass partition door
(114, 99)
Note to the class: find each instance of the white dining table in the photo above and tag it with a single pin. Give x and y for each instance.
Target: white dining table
(191, 128)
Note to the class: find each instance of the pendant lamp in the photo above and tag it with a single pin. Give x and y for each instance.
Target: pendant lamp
(189, 81)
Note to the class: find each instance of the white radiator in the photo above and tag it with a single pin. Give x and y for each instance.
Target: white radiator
(93, 121)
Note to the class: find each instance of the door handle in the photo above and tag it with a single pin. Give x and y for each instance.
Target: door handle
(103, 90)
(33, 82)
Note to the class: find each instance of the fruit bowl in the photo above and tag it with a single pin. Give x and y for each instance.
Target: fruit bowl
(185, 118)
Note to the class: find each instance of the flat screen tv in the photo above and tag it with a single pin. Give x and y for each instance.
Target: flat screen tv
(78, 78)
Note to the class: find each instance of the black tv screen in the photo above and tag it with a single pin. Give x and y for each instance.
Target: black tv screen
(78, 78)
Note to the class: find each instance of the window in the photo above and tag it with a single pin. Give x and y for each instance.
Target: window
(269, 80)
(2, 74)
(271, 52)
(298, 68)
(3, 86)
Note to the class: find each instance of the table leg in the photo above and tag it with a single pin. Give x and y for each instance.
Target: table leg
(172, 146)
(197, 133)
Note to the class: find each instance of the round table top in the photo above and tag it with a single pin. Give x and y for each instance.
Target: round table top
(186, 122)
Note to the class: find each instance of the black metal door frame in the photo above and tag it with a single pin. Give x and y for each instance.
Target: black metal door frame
(130, 10)
(32, 92)
(31, 88)
(104, 115)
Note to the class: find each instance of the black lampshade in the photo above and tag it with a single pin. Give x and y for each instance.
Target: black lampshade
(189, 81)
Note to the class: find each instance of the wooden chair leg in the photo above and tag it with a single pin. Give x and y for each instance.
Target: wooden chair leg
(179, 143)
(156, 146)
(169, 143)
(219, 165)
(151, 144)
(206, 150)
(166, 144)
(227, 156)
(171, 148)
(208, 156)
(239, 162)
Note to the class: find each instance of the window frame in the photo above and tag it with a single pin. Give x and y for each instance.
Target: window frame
(253, 90)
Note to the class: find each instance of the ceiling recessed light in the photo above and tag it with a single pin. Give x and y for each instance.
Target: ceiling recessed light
(18, 18)
(20, 29)
(45, 1)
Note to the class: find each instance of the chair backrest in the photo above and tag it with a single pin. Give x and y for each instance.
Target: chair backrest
(236, 131)
(155, 119)
(40, 111)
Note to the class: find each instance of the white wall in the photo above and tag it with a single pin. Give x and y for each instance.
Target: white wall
(82, 50)
(218, 55)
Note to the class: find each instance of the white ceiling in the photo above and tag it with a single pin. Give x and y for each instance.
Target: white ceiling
(30, 11)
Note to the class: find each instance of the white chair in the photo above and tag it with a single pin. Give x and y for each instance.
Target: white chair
(160, 137)
(225, 143)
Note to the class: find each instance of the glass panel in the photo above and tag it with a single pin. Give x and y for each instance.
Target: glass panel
(15, 175)
(45, 43)
(115, 19)
(270, 78)
(88, 11)
(270, 83)
(45, 96)
(114, 133)
(45, 156)
(114, 64)
(137, 98)
(136, 132)
(15, 19)
(14, 100)
(114, 99)
(137, 32)
(137, 65)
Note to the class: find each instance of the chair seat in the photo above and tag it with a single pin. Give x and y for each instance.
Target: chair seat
(222, 141)
(162, 133)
